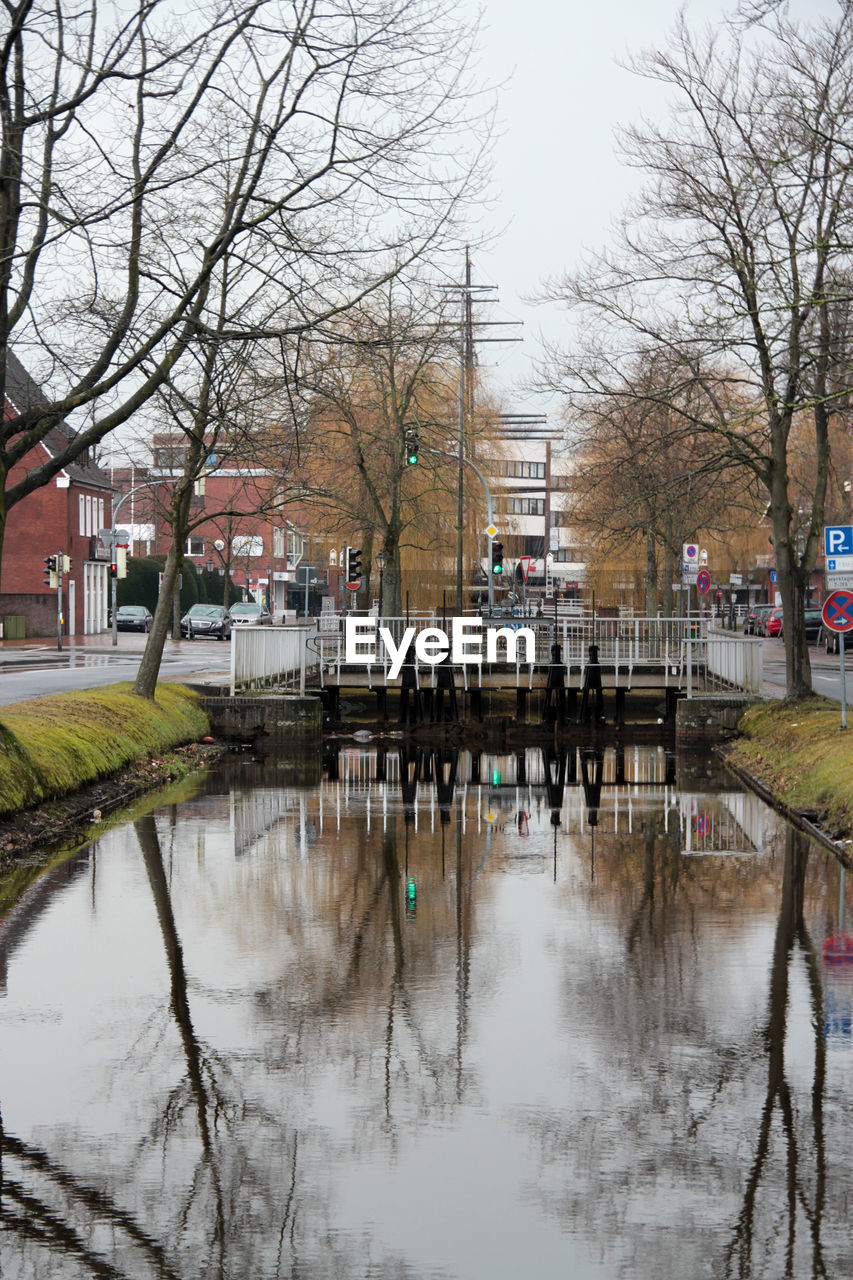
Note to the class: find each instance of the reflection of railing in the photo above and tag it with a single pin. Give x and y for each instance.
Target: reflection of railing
(683, 650)
(270, 656)
(721, 824)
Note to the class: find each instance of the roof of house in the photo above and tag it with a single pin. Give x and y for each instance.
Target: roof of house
(24, 393)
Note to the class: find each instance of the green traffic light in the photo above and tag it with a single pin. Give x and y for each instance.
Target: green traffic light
(412, 459)
(497, 568)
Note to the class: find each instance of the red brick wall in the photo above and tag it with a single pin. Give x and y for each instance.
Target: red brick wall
(43, 524)
(39, 611)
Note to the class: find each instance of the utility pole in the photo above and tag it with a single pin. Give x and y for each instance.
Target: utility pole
(468, 293)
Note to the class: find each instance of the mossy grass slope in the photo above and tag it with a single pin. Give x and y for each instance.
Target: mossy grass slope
(800, 752)
(53, 745)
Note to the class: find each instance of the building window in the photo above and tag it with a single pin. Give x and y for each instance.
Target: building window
(279, 544)
(521, 470)
(527, 506)
(169, 456)
(100, 514)
(81, 511)
(195, 545)
(247, 544)
(295, 547)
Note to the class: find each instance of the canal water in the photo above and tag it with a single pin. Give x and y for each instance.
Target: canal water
(429, 1016)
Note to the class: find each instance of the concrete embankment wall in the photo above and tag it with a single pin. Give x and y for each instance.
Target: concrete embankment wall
(709, 718)
(283, 720)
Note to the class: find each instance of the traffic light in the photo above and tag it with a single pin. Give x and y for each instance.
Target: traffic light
(354, 569)
(497, 558)
(121, 562)
(66, 564)
(51, 577)
(113, 569)
(413, 447)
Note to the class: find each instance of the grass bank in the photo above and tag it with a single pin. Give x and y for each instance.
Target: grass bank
(57, 744)
(800, 753)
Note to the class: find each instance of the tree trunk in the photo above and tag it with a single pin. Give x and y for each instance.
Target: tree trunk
(651, 573)
(668, 572)
(149, 668)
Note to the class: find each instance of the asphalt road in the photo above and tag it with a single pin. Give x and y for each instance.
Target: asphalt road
(36, 667)
(826, 670)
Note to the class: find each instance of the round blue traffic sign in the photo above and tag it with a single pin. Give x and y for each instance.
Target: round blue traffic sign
(837, 611)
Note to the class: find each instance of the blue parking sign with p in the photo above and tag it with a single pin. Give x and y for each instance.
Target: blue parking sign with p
(838, 540)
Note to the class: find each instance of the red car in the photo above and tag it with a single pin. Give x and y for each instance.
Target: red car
(773, 623)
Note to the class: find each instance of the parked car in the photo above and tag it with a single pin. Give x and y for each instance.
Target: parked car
(133, 617)
(829, 640)
(814, 626)
(754, 618)
(249, 614)
(211, 620)
(771, 624)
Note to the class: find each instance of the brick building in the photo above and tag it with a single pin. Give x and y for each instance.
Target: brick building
(239, 525)
(63, 516)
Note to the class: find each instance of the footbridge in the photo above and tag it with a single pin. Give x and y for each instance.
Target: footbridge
(556, 669)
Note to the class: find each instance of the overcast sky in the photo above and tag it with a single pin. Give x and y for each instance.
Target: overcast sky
(558, 178)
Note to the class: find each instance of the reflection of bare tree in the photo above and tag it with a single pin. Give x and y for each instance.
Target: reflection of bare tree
(66, 1214)
(201, 1077)
(791, 936)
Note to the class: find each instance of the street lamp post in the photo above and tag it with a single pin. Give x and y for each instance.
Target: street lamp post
(380, 560)
(144, 484)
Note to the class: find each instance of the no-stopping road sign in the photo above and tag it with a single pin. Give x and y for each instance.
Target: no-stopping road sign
(837, 611)
(703, 581)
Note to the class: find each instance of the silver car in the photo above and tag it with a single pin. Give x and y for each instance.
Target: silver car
(250, 614)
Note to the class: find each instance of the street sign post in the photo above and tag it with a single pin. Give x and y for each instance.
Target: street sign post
(837, 614)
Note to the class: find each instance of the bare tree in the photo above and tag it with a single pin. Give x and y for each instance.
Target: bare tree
(375, 382)
(140, 147)
(643, 479)
(734, 259)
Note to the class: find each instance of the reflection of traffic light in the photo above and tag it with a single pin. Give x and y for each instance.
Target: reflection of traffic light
(411, 896)
(353, 564)
(413, 447)
(51, 577)
(497, 558)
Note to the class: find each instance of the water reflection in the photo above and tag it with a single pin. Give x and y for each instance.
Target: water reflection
(438, 1014)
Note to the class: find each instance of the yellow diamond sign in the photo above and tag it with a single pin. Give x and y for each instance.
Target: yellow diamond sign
(491, 530)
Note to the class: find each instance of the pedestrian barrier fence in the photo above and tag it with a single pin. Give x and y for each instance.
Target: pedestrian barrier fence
(686, 652)
(263, 657)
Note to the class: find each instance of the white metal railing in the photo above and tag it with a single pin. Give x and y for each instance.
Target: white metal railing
(264, 656)
(734, 661)
(685, 650)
